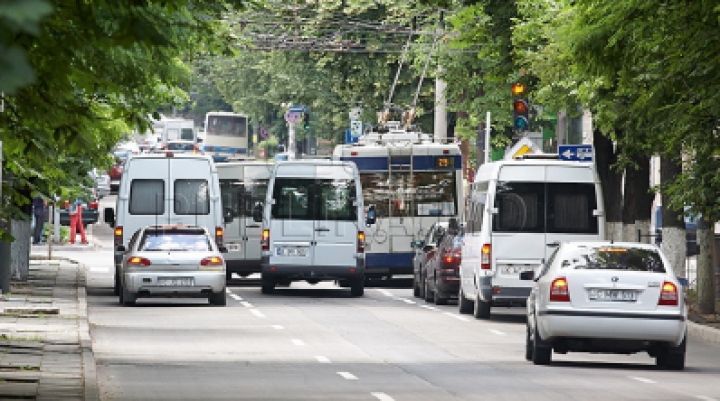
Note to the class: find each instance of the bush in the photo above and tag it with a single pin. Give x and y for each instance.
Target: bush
(49, 232)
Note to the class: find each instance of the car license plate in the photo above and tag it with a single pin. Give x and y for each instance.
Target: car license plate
(291, 251)
(511, 269)
(176, 281)
(612, 295)
(233, 247)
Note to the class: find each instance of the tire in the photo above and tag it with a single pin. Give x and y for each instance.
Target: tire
(416, 287)
(218, 299)
(437, 296)
(465, 306)
(481, 309)
(672, 358)
(268, 286)
(541, 351)
(127, 298)
(528, 345)
(429, 295)
(116, 286)
(357, 287)
(421, 288)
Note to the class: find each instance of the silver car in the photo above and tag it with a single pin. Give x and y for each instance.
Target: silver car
(172, 261)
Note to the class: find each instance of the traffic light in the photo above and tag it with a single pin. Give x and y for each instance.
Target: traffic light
(306, 119)
(521, 107)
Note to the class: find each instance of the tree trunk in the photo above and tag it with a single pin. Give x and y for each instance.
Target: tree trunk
(705, 270)
(645, 197)
(628, 206)
(610, 181)
(674, 244)
(20, 250)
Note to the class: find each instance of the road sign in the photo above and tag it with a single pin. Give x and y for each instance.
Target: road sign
(349, 138)
(293, 116)
(263, 132)
(582, 153)
(356, 128)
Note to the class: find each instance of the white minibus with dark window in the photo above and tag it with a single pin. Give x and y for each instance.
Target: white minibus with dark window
(518, 212)
(313, 225)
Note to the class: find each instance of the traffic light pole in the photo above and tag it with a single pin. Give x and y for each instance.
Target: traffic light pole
(291, 141)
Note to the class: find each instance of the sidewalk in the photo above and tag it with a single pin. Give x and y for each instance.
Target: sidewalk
(46, 352)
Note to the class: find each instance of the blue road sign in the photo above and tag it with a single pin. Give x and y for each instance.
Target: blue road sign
(349, 138)
(581, 153)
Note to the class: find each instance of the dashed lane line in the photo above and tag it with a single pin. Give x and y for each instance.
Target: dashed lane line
(382, 396)
(235, 297)
(409, 301)
(297, 342)
(456, 316)
(347, 375)
(643, 380)
(429, 307)
(278, 327)
(257, 313)
(322, 359)
(246, 304)
(498, 332)
(386, 293)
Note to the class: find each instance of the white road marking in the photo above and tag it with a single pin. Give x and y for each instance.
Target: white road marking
(498, 332)
(429, 307)
(235, 297)
(408, 301)
(386, 293)
(257, 313)
(99, 269)
(277, 327)
(347, 375)
(297, 342)
(705, 398)
(382, 396)
(322, 359)
(229, 291)
(246, 304)
(643, 380)
(458, 317)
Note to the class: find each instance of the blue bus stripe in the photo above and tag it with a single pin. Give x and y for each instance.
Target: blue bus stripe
(380, 163)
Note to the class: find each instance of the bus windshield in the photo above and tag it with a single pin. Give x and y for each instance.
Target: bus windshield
(425, 193)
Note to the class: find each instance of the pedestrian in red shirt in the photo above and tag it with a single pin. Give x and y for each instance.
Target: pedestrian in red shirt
(76, 222)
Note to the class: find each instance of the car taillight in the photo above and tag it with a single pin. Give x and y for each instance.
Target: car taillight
(219, 235)
(138, 261)
(485, 256)
(93, 205)
(360, 241)
(265, 240)
(453, 257)
(668, 294)
(118, 235)
(212, 261)
(559, 291)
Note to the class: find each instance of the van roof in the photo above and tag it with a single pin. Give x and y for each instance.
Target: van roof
(491, 169)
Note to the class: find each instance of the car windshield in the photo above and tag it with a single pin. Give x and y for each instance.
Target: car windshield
(174, 241)
(179, 146)
(613, 257)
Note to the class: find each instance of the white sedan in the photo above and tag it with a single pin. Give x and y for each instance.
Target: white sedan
(605, 297)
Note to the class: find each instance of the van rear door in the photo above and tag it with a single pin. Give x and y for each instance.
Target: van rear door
(189, 183)
(253, 190)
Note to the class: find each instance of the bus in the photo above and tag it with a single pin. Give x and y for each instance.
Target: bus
(226, 135)
(243, 185)
(413, 182)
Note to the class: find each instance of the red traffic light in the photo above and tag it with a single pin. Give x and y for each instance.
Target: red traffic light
(518, 89)
(520, 106)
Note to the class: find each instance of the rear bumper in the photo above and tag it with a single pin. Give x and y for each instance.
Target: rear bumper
(305, 272)
(147, 283)
(502, 294)
(640, 326)
(448, 285)
(244, 266)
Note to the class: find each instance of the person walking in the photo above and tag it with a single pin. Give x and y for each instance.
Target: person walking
(38, 206)
(76, 221)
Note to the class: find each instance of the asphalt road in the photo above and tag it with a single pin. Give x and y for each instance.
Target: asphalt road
(317, 343)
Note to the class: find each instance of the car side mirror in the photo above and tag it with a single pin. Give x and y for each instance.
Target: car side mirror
(120, 248)
(257, 213)
(371, 216)
(109, 216)
(223, 249)
(527, 275)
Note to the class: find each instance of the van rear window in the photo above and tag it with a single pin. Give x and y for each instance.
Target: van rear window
(191, 197)
(147, 197)
(314, 199)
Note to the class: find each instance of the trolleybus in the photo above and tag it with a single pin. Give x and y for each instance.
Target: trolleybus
(413, 181)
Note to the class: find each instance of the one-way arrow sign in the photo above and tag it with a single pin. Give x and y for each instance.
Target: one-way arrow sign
(582, 153)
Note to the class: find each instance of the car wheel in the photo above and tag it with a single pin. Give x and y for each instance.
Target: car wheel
(672, 358)
(481, 309)
(528, 345)
(416, 287)
(429, 295)
(357, 287)
(541, 351)
(128, 298)
(465, 306)
(218, 299)
(421, 288)
(438, 296)
(268, 286)
(116, 287)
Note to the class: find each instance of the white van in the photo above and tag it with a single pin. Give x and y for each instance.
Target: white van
(165, 188)
(518, 211)
(313, 226)
(243, 185)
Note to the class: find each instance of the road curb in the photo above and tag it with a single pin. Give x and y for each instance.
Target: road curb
(705, 333)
